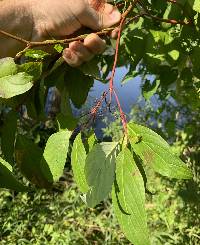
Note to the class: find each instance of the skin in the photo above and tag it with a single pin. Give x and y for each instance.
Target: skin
(38, 20)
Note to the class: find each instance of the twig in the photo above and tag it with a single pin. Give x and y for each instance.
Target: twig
(14, 37)
(170, 21)
(111, 83)
(185, 10)
(122, 115)
(30, 44)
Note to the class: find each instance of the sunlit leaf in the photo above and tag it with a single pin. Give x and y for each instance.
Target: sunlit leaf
(100, 171)
(55, 154)
(7, 67)
(36, 54)
(155, 152)
(13, 85)
(7, 179)
(78, 157)
(128, 198)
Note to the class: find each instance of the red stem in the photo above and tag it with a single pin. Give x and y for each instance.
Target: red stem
(115, 60)
(122, 115)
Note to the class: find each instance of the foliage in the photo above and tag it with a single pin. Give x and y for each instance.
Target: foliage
(161, 39)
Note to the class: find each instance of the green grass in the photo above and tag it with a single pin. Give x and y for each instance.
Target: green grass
(62, 218)
(56, 218)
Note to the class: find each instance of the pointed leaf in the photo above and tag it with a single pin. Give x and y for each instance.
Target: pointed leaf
(92, 140)
(100, 171)
(55, 153)
(78, 158)
(155, 152)
(7, 179)
(128, 197)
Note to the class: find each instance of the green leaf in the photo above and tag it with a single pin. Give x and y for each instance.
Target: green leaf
(7, 179)
(196, 6)
(7, 67)
(66, 122)
(59, 48)
(155, 152)
(150, 88)
(36, 54)
(33, 69)
(100, 171)
(137, 50)
(78, 158)
(55, 153)
(92, 140)
(174, 54)
(8, 132)
(128, 198)
(13, 85)
(78, 86)
(91, 68)
(28, 157)
(130, 76)
(65, 118)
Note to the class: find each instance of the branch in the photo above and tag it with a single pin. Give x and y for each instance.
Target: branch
(170, 21)
(14, 37)
(185, 10)
(30, 44)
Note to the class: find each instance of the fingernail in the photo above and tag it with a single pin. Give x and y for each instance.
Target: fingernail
(67, 54)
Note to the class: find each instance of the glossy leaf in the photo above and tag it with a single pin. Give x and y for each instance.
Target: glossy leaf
(155, 152)
(100, 171)
(128, 198)
(36, 54)
(78, 158)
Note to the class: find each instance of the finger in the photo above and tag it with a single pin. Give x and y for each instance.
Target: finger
(100, 15)
(95, 44)
(81, 51)
(71, 58)
(114, 33)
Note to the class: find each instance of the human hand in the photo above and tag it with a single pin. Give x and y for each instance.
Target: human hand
(58, 19)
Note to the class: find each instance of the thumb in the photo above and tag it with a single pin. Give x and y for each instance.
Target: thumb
(100, 15)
